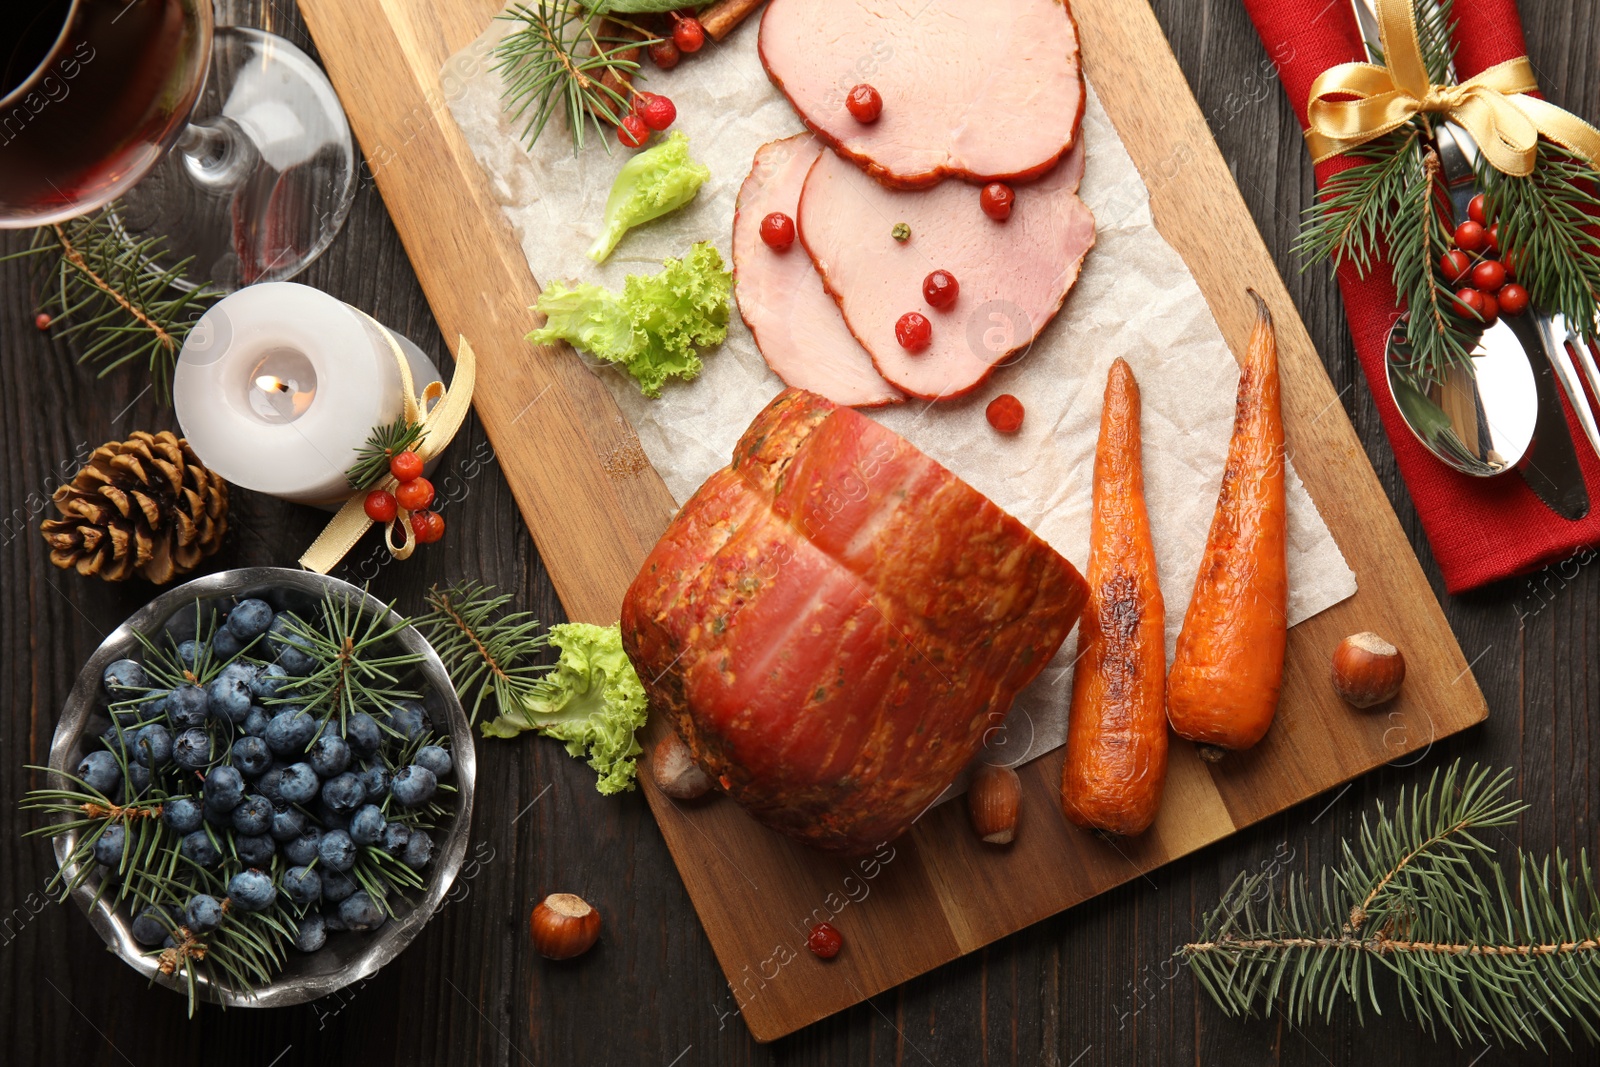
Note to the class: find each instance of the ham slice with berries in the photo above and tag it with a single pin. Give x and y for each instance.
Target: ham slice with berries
(796, 324)
(981, 91)
(1012, 275)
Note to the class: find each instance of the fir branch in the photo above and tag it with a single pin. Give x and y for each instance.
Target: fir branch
(385, 442)
(486, 651)
(358, 666)
(1418, 899)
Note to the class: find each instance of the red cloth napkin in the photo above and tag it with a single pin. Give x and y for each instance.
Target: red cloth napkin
(1481, 529)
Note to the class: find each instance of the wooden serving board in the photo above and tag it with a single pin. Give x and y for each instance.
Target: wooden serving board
(595, 508)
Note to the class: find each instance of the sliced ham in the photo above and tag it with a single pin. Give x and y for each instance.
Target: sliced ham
(1013, 275)
(985, 91)
(796, 323)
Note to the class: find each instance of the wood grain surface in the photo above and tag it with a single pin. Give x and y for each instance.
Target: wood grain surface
(1092, 985)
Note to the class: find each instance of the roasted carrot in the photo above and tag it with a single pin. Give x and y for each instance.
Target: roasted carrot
(1223, 688)
(1116, 763)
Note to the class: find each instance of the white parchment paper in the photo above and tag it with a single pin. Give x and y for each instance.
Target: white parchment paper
(1135, 299)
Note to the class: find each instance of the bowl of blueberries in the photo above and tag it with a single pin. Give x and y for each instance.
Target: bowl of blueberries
(262, 787)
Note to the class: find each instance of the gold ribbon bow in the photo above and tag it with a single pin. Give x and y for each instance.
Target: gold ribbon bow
(1354, 103)
(439, 425)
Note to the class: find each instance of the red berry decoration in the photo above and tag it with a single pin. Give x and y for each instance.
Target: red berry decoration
(381, 506)
(1005, 413)
(688, 34)
(405, 466)
(1473, 300)
(415, 495)
(1455, 265)
(996, 200)
(1478, 210)
(864, 103)
(1472, 237)
(665, 55)
(1513, 299)
(1491, 308)
(656, 110)
(777, 231)
(42, 320)
(1489, 276)
(1492, 235)
(824, 941)
(940, 289)
(427, 526)
(632, 131)
(913, 331)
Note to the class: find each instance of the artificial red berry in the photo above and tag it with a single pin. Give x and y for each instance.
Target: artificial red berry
(688, 34)
(864, 103)
(1005, 413)
(1492, 235)
(913, 331)
(777, 231)
(940, 289)
(1491, 308)
(824, 941)
(381, 506)
(665, 55)
(1478, 210)
(405, 466)
(996, 200)
(1472, 237)
(632, 131)
(1489, 276)
(427, 526)
(415, 495)
(1455, 265)
(1473, 300)
(656, 110)
(1513, 299)
(42, 320)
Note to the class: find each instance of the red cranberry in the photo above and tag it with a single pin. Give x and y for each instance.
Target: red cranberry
(940, 289)
(913, 331)
(996, 200)
(632, 131)
(864, 103)
(1513, 299)
(777, 231)
(1455, 265)
(656, 110)
(1472, 237)
(825, 941)
(1489, 276)
(1005, 413)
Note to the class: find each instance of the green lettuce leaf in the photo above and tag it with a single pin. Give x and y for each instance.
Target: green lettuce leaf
(653, 183)
(587, 317)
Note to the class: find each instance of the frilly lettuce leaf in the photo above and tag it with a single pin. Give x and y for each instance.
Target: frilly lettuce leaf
(653, 183)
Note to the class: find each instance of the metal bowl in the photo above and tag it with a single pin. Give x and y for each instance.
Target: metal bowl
(346, 958)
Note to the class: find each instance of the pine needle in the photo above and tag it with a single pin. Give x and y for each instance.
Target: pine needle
(486, 650)
(384, 443)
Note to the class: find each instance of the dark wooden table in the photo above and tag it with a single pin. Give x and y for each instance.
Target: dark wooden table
(1095, 985)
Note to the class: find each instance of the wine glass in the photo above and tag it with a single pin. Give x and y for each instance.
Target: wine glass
(227, 142)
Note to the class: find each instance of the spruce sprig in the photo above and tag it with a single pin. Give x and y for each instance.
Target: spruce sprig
(486, 649)
(384, 443)
(357, 665)
(114, 293)
(1417, 911)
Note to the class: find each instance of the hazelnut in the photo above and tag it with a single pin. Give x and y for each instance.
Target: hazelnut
(993, 801)
(564, 926)
(675, 770)
(1367, 670)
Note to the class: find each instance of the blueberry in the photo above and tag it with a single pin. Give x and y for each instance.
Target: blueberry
(153, 746)
(189, 652)
(203, 913)
(343, 793)
(270, 785)
(361, 912)
(311, 933)
(287, 824)
(133, 712)
(181, 814)
(329, 756)
(229, 693)
(109, 846)
(330, 819)
(252, 756)
(137, 782)
(337, 886)
(187, 706)
(361, 732)
(303, 849)
(100, 772)
(268, 680)
(255, 849)
(299, 783)
(252, 891)
(290, 646)
(220, 817)
(395, 836)
(367, 825)
(152, 927)
(197, 848)
(224, 787)
(123, 678)
(330, 916)
(255, 723)
(290, 731)
(253, 815)
(336, 851)
(375, 780)
(250, 619)
(435, 759)
(225, 646)
(413, 786)
(408, 719)
(191, 750)
(303, 885)
(418, 850)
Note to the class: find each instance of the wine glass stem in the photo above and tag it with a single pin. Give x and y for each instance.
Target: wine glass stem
(216, 151)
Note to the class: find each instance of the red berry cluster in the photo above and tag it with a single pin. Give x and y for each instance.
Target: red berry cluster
(414, 494)
(913, 330)
(652, 111)
(1487, 288)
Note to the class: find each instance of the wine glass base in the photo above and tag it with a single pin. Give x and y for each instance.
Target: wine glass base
(261, 181)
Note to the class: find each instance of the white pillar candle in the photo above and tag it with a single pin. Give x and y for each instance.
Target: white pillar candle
(280, 385)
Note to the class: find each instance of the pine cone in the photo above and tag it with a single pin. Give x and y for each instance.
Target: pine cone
(143, 506)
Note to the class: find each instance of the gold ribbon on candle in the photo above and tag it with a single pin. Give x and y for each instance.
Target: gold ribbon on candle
(439, 425)
(1354, 103)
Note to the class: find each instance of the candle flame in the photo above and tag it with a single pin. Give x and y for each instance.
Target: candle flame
(269, 383)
